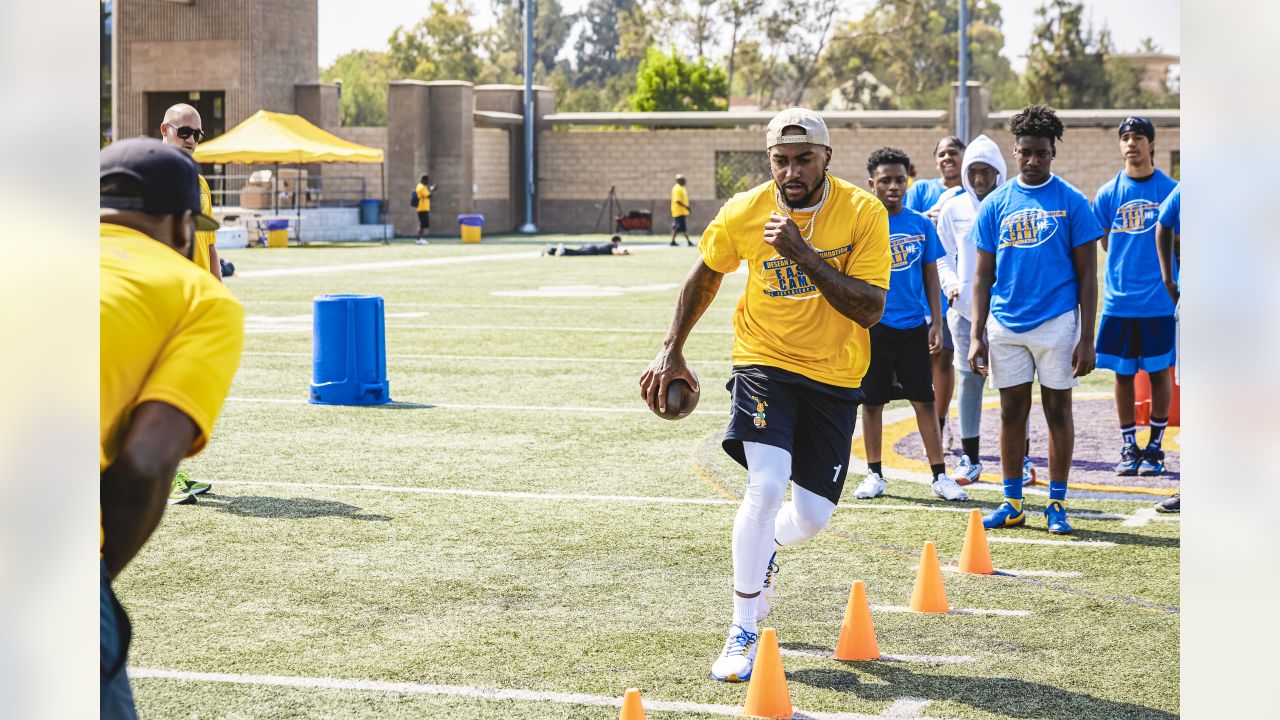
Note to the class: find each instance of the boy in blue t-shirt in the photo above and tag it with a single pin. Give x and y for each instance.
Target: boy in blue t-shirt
(1036, 277)
(1137, 329)
(923, 196)
(1168, 238)
(904, 339)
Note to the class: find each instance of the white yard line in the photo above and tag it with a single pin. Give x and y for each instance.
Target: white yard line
(955, 611)
(466, 406)
(1024, 573)
(901, 707)
(498, 358)
(1046, 541)
(385, 265)
(930, 659)
(1140, 517)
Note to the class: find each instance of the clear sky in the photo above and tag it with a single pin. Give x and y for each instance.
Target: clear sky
(354, 24)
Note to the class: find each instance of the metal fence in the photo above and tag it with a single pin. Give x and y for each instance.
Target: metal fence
(739, 170)
(325, 191)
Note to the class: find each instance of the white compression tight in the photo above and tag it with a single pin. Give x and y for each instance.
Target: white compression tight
(763, 518)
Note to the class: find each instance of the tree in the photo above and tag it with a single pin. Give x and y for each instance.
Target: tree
(505, 41)
(787, 55)
(669, 82)
(613, 38)
(1067, 60)
(738, 14)
(701, 24)
(440, 46)
(910, 47)
(364, 75)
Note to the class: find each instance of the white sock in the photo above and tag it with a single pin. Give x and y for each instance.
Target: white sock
(744, 612)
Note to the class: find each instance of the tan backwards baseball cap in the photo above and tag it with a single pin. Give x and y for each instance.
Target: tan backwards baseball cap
(815, 129)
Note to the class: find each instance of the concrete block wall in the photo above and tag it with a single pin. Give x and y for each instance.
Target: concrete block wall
(577, 167)
(1090, 156)
(492, 178)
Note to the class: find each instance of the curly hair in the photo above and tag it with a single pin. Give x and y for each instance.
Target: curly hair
(886, 156)
(1037, 121)
(949, 140)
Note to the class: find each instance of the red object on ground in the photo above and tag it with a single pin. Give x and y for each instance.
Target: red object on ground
(1142, 400)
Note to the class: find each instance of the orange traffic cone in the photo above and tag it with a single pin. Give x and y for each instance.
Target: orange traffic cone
(929, 596)
(858, 636)
(975, 558)
(632, 709)
(767, 694)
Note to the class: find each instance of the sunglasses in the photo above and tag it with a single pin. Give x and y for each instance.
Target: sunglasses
(185, 132)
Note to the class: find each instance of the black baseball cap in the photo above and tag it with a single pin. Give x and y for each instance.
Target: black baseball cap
(1138, 124)
(166, 175)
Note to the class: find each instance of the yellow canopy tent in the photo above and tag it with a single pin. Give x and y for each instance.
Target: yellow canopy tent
(277, 138)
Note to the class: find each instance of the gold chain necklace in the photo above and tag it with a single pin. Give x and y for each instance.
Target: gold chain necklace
(806, 232)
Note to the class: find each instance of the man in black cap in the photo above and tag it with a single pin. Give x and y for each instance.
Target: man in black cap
(171, 336)
(1137, 328)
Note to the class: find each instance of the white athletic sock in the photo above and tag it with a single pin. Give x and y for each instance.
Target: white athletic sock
(744, 612)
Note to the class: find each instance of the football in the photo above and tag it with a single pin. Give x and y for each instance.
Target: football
(681, 400)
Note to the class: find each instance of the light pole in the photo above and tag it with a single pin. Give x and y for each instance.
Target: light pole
(528, 227)
(962, 100)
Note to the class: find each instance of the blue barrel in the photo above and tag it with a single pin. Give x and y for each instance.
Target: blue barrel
(370, 212)
(474, 220)
(349, 351)
(276, 225)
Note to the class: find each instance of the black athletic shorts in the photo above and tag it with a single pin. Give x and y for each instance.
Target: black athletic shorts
(424, 219)
(900, 367)
(680, 224)
(811, 420)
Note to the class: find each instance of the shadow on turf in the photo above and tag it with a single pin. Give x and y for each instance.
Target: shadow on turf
(1005, 697)
(261, 506)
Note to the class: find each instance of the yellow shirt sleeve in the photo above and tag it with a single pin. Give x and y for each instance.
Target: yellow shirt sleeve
(424, 198)
(717, 247)
(869, 259)
(200, 255)
(679, 194)
(194, 370)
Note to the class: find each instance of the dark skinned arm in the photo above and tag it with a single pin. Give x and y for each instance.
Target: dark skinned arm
(932, 290)
(215, 265)
(134, 488)
(1085, 259)
(1167, 250)
(1106, 237)
(700, 288)
(856, 299)
(984, 275)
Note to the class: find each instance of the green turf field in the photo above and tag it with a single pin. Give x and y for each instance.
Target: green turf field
(455, 555)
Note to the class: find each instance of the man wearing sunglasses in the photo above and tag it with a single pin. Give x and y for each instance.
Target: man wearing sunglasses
(182, 129)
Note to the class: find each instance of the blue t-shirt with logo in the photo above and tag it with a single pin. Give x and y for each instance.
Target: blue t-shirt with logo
(1170, 214)
(1129, 208)
(912, 243)
(1032, 231)
(923, 194)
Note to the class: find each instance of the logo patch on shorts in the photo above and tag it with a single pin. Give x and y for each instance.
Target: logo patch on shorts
(758, 418)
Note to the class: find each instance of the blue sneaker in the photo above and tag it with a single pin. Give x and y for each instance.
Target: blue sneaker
(1152, 462)
(1004, 516)
(1056, 516)
(1130, 459)
(739, 654)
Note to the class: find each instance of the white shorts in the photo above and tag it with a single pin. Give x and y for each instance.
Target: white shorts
(1044, 351)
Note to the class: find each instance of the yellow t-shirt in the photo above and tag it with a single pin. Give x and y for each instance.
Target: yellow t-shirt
(679, 195)
(424, 198)
(200, 256)
(169, 333)
(782, 320)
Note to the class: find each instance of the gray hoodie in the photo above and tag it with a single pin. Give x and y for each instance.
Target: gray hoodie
(955, 268)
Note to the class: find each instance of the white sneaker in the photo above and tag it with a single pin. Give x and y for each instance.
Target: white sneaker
(966, 472)
(422, 241)
(947, 489)
(560, 249)
(737, 657)
(764, 603)
(1028, 472)
(872, 487)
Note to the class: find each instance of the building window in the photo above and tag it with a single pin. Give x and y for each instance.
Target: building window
(739, 170)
